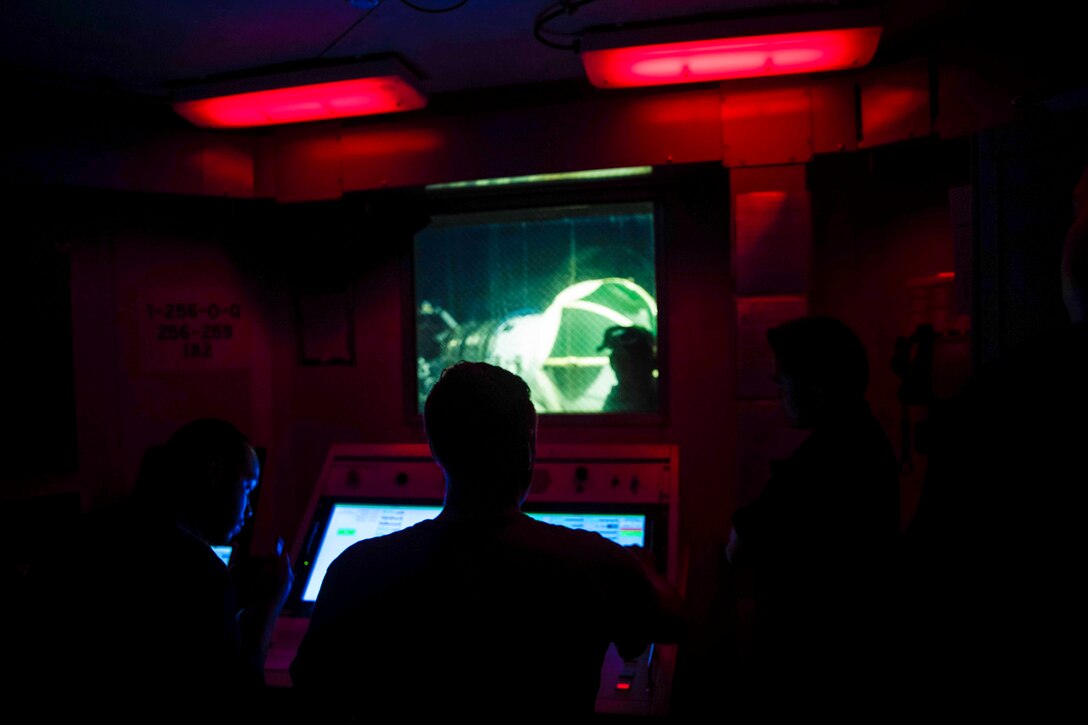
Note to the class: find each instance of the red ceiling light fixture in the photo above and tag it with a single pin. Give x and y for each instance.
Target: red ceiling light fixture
(318, 94)
(730, 49)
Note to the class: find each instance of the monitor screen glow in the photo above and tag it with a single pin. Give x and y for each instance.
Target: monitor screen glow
(348, 523)
(565, 297)
(223, 552)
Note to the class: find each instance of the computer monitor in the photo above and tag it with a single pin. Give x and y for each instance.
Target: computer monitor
(224, 552)
(339, 523)
(625, 529)
(343, 523)
(564, 296)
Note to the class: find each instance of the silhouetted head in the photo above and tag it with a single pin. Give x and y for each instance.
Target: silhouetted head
(820, 368)
(203, 477)
(631, 351)
(1075, 255)
(481, 426)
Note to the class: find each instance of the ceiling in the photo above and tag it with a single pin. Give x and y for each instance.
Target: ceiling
(150, 47)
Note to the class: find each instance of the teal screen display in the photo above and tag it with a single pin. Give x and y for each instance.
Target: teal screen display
(565, 297)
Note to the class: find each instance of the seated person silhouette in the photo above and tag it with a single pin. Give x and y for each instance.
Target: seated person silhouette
(137, 618)
(817, 545)
(631, 355)
(482, 611)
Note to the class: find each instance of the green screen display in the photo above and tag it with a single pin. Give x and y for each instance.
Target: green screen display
(564, 296)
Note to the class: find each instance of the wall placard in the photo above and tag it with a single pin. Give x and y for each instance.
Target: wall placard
(192, 328)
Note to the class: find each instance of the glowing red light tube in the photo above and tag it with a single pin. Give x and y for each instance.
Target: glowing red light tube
(717, 59)
(317, 94)
(316, 102)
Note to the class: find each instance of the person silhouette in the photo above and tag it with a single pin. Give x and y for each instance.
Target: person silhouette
(817, 544)
(631, 355)
(134, 610)
(993, 607)
(491, 612)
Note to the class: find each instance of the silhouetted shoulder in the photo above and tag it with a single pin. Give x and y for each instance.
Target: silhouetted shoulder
(514, 599)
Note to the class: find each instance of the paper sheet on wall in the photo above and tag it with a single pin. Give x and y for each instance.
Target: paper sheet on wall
(192, 328)
(755, 361)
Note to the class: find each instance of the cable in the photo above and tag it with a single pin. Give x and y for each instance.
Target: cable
(549, 14)
(436, 11)
(373, 5)
(351, 27)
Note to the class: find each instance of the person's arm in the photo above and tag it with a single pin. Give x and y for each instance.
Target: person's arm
(668, 613)
(733, 547)
(316, 660)
(266, 584)
(739, 580)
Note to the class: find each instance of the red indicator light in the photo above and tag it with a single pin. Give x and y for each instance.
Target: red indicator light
(700, 61)
(623, 685)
